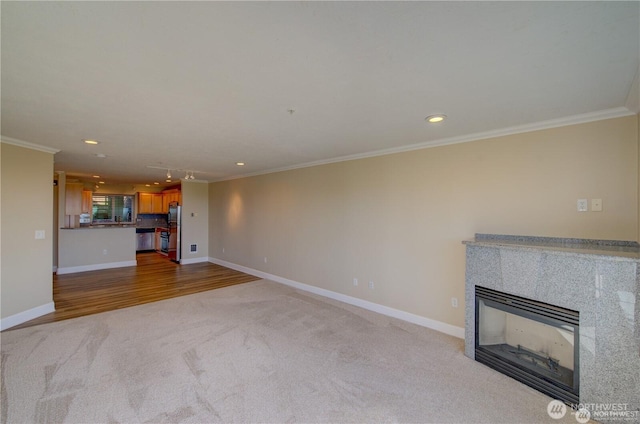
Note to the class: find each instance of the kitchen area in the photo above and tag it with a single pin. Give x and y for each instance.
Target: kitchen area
(160, 232)
(102, 229)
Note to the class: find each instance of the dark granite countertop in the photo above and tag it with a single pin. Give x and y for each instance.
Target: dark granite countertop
(613, 249)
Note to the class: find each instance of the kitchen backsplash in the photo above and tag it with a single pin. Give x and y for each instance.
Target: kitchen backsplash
(151, 220)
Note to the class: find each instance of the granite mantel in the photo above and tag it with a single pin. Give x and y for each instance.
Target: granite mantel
(598, 278)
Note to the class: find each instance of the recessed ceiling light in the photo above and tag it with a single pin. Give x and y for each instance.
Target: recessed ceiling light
(240, 163)
(101, 182)
(168, 180)
(148, 185)
(91, 141)
(101, 155)
(434, 119)
(156, 183)
(96, 176)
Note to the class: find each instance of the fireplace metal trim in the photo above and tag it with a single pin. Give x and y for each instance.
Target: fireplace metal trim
(541, 312)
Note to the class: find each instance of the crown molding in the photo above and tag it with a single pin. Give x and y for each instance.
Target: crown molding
(28, 145)
(194, 181)
(618, 112)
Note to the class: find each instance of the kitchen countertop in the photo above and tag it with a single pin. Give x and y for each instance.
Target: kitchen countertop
(100, 226)
(612, 249)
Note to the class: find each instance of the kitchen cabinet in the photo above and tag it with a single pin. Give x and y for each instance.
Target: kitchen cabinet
(156, 203)
(73, 199)
(87, 201)
(165, 203)
(170, 196)
(144, 202)
(150, 203)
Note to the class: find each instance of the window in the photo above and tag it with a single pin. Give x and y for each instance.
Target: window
(112, 208)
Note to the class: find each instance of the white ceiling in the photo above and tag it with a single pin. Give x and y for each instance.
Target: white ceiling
(201, 85)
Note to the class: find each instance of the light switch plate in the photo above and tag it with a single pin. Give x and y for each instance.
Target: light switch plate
(596, 205)
(39, 234)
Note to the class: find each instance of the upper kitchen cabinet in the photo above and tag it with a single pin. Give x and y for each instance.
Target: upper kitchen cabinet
(150, 203)
(158, 202)
(169, 196)
(87, 201)
(73, 198)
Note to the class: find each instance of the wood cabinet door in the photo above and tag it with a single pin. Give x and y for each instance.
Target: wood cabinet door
(175, 197)
(169, 197)
(73, 199)
(166, 199)
(87, 201)
(144, 203)
(156, 203)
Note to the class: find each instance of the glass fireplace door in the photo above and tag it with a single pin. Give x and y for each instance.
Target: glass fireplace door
(528, 340)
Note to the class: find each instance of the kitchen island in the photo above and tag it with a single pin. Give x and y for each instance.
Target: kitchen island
(96, 247)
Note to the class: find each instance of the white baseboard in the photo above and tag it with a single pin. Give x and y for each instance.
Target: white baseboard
(193, 261)
(28, 315)
(95, 267)
(440, 326)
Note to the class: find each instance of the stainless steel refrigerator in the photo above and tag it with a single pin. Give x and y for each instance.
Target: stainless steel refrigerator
(174, 219)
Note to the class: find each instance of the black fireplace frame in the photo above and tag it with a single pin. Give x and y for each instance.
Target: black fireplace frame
(538, 311)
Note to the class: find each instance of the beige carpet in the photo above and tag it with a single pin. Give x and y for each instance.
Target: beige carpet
(256, 352)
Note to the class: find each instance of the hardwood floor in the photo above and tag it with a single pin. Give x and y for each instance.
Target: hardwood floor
(155, 278)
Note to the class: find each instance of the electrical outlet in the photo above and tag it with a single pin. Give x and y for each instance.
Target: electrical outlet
(583, 206)
(39, 234)
(454, 302)
(371, 285)
(223, 250)
(105, 252)
(265, 259)
(355, 281)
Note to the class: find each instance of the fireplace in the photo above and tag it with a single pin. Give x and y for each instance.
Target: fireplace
(598, 278)
(531, 341)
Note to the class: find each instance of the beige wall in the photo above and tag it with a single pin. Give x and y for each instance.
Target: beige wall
(84, 249)
(195, 220)
(399, 220)
(26, 206)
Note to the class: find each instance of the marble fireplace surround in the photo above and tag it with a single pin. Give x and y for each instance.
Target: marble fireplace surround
(598, 278)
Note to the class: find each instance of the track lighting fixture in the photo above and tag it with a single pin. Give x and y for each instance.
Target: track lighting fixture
(188, 175)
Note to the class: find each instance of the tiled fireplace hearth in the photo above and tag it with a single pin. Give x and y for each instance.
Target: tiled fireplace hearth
(600, 280)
